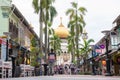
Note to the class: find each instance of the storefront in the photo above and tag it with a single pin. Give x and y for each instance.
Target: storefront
(116, 63)
(17, 54)
(2, 49)
(21, 53)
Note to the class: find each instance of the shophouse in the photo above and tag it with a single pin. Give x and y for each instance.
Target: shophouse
(116, 41)
(15, 35)
(14, 26)
(112, 44)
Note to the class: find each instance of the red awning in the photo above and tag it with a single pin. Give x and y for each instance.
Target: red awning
(2, 41)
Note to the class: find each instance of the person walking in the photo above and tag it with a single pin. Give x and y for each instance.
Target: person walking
(72, 67)
(51, 59)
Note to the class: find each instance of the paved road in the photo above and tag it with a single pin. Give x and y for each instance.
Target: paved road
(67, 77)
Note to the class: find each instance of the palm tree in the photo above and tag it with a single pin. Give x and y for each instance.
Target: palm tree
(76, 24)
(38, 7)
(47, 13)
(85, 49)
(50, 13)
(71, 46)
(55, 43)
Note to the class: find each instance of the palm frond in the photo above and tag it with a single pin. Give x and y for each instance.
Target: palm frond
(74, 5)
(53, 13)
(35, 4)
(82, 10)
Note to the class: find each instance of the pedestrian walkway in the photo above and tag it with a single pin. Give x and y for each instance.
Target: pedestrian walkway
(67, 77)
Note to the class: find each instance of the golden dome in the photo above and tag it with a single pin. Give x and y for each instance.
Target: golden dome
(61, 31)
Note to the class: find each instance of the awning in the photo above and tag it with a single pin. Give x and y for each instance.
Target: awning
(2, 41)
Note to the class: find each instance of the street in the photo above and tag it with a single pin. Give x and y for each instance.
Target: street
(67, 77)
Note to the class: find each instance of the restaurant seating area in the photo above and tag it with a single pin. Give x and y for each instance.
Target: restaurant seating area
(27, 70)
(6, 69)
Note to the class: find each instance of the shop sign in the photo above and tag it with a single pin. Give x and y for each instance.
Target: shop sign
(102, 46)
(99, 49)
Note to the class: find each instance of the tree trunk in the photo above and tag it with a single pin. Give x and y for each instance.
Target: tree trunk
(72, 56)
(46, 42)
(84, 64)
(41, 32)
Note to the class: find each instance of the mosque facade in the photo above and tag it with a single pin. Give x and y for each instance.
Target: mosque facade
(62, 32)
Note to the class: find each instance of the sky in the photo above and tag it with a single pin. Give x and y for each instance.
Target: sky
(99, 16)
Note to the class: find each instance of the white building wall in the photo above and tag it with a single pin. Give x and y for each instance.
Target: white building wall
(60, 58)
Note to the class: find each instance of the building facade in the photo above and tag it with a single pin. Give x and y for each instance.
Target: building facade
(63, 33)
(113, 42)
(15, 32)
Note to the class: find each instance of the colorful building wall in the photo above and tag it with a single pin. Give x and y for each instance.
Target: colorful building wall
(11, 20)
(4, 15)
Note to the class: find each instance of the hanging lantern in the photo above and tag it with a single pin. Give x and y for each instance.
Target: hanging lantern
(103, 62)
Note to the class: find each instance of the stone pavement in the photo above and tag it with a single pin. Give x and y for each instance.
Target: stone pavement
(67, 77)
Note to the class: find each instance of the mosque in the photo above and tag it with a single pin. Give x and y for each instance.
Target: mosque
(63, 33)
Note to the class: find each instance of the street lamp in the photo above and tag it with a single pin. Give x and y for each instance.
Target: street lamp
(84, 34)
(7, 43)
(84, 37)
(108, 72)
(93, 65)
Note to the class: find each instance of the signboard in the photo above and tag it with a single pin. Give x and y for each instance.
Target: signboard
(102, 46)
(100, 49)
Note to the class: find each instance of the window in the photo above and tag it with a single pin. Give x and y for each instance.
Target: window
(118, 34)
(114, 42)
(27, 41)
(21, 36)
(5, 14)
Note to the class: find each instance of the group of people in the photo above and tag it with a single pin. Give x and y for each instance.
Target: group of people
(66, 69)
(50, 68)
(59, 69)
